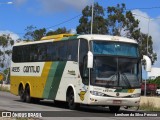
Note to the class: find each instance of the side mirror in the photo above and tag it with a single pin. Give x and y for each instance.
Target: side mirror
(148, 63)
(90, 60)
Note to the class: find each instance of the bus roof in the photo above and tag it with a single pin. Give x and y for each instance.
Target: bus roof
(88, 37)
(107, 38)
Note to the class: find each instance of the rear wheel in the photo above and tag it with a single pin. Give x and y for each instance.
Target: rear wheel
(114, 109)
(27, 93)
(35, 100)
(22, 94)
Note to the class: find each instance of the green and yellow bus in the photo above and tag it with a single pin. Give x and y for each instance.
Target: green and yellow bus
(97, 70)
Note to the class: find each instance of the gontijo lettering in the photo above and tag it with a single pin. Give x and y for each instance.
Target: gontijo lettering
(31, 69)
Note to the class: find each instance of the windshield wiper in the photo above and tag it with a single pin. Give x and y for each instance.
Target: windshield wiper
(107, 84)
(125, 79)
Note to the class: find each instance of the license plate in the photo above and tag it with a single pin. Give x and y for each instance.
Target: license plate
(117, 101)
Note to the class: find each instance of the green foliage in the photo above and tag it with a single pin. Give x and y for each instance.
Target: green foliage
(6, 43)
(115, 21)
(118, 22)
(6, 71)
(99, 23)
(58, 31)
(156, 81)
(5, 89)
(33, 34)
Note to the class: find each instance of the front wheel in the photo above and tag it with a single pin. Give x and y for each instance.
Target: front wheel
(70, 99)
(114, 109)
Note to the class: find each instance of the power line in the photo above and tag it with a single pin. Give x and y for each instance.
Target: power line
(55, 24)
(66, 21)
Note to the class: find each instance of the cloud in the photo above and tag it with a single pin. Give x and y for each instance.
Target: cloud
(73, 31)
(19, 2)
(61, 5)
(52, 6)
(12, 35)
(154, 30)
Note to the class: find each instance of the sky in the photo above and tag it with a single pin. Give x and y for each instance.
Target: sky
(14, 18)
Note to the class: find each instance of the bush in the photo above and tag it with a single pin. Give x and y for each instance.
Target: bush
(2, 88)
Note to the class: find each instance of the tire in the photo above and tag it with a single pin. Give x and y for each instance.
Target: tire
(35, 100)
(114, 109)
(22, 94)
(70, 99)
(59, 103)
(27, 93)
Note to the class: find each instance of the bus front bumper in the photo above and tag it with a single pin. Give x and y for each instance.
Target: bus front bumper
(99, 100)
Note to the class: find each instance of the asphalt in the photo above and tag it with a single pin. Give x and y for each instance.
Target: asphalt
(47, 110)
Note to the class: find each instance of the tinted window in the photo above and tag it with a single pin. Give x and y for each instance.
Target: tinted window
(52, 51)
(83, 50)
(115, 48)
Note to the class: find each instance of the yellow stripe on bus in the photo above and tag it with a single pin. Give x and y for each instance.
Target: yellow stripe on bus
(37, 84)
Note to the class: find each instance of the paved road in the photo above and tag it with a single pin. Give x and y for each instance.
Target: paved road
(9, 102)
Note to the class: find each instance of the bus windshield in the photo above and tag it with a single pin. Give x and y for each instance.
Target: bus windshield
(115, 68)
(114, 48)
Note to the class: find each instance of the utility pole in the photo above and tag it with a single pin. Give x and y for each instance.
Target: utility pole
(92, 17)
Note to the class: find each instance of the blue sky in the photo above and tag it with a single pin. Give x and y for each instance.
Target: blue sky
(45, 13)
(40, 13)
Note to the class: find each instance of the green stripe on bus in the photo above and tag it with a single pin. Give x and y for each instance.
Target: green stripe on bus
(51, 74)
(56, 80)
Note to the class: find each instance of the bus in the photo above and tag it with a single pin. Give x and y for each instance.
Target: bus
(99, 70)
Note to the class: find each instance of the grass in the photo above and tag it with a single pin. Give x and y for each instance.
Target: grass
(3, 88)
(149, 106)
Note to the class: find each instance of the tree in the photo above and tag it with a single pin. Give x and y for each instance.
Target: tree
(6, 43)
(155, 81)
(34, 34)
(58, 31)
(99, 24)
(116, 21)
(122, 23)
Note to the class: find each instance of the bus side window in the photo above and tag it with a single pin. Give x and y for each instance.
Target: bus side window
(85, 73)
(83, 50)
(17, 54)
(72, 50)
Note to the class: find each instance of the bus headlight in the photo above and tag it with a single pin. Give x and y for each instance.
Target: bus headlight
(136, 95)
(97, 93)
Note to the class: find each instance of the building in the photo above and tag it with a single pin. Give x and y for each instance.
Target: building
(155, 72)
